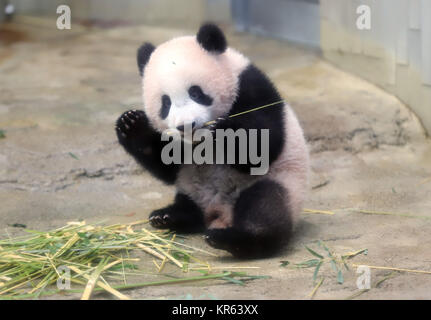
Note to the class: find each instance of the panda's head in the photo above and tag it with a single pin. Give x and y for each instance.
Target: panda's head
(189, 80)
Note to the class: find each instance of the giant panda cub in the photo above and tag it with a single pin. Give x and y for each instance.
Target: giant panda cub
(197, 79)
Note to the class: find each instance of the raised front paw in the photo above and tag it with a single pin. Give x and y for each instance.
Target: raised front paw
(133, 129)
(131, 123)
(219, 123)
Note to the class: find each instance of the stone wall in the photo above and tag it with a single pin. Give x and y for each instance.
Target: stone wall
(394, 54)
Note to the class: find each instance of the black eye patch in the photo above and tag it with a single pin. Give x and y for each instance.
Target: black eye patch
(166, 106)
(197, 95)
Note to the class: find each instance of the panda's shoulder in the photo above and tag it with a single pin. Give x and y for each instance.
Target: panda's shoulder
(255, 89)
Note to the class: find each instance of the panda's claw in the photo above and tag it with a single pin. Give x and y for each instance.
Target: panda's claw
(132, 116)
(156, 221)
(121, 133)
(216, 124)
(160, 219)
(126, 121)
(135, 114)
(208, 239)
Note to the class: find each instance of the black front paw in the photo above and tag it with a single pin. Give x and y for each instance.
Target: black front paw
(133, 129)
(219, 123)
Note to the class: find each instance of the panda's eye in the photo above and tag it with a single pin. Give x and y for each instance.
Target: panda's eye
(166, 105)
(196, 94)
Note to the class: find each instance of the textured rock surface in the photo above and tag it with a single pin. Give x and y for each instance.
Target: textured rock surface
(60, 94)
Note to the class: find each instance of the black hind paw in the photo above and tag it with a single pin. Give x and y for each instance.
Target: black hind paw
(240, 243)
(161, 219)
(219, 239)
(183, 216)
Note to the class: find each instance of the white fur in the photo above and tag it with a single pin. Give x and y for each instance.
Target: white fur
(178, 64)
(291, 168)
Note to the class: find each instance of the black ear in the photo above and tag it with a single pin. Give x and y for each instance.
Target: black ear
(144, 53)
(211, 38)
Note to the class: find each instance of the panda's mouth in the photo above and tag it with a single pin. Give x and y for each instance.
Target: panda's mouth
(187, 133)
(192, 127)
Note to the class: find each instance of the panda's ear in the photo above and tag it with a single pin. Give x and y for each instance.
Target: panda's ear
(143, 55)
(211, 38)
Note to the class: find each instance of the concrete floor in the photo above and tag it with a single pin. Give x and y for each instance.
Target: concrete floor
(61, 91)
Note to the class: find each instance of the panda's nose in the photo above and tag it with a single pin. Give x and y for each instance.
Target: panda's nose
(181, 127)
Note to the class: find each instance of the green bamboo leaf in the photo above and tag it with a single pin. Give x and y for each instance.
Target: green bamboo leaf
(205, 272)
(126, 266)
(73, 156)
(32, 267)
(316, 271)
(314, 253)
(308, 263)
(237, 273)
(323, 245)
(334, 265)
(340, 278)
(233, 280)
(284, 263)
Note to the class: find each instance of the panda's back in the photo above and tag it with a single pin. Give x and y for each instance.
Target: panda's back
(291, 168)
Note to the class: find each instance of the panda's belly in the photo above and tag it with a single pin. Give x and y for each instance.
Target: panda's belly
(215, 189)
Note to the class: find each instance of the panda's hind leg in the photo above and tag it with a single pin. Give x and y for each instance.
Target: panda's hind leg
(183, 216)
(262, 223)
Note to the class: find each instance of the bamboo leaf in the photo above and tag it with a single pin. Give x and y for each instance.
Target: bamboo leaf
(308, 263)
(233, 280)
(334, 265)
(340, 278)
(73, 156)
(316, 271)
(314, 253)
(284, 263)
(30, 265)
